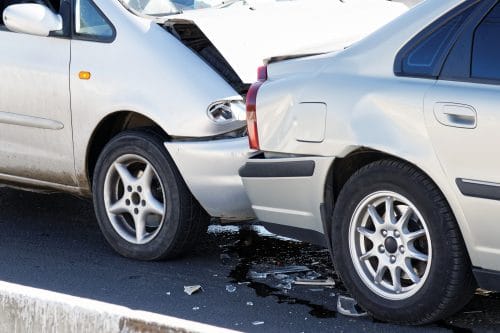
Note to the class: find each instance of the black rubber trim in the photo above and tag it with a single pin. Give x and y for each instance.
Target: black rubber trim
(275, 59)
(458, 64)
(432, 73)
(90, 38)
(483, 191)
(301, 234)
(327, 227)
(278, 169)
(487, 279)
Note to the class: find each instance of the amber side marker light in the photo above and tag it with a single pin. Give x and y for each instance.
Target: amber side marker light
(84, 75)
(253, 133)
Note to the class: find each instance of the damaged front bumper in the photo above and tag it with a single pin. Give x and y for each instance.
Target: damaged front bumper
(210, 170)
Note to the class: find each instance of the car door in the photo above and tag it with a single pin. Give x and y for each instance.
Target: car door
(463, 118)
(35, 116)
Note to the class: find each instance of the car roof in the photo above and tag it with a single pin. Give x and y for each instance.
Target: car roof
(386, 42)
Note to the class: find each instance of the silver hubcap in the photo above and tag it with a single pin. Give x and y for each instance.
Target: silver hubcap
(135, 199)
(390, 245)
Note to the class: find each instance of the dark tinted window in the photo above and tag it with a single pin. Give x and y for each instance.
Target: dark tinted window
(425, 54)
(486, 50)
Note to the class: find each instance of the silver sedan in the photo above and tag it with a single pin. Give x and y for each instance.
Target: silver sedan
(387, 152)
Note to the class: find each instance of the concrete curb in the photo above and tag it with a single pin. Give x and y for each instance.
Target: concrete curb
(26, 309)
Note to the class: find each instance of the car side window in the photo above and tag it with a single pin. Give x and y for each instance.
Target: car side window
(486, 48)
(424, 55)
(90, 22)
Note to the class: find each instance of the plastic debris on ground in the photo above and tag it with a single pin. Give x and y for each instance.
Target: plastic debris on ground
(288, 270)
(257, 275)
(250, 303)
(256, 323)
(230, 288)
(287, 286)
(192, 289)
(347, 306)
(483, 292)
(306, 282)
(279, 273)
(312, 275)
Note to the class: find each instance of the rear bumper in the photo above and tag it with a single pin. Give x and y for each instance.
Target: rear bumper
(287, 191)
(210, 170)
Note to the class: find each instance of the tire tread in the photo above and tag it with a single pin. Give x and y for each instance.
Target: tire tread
(193, 218)
(461, 282)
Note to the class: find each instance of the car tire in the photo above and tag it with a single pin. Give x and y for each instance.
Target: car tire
(143, 206)
(407, 266)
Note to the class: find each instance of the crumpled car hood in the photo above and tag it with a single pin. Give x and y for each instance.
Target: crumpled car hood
(248, 32)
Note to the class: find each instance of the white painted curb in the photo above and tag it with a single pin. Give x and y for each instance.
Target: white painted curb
(25, 309)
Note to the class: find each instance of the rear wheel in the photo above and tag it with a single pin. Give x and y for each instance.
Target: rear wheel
(398, 247)
(143, 206)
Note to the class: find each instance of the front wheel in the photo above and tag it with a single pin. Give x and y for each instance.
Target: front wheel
(398, 247)
(143, 206)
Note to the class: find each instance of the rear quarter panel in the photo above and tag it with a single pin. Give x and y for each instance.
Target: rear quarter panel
(364, 110)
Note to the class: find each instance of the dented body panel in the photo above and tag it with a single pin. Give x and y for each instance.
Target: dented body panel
(248, 32)
(368, 108)
(210, 169)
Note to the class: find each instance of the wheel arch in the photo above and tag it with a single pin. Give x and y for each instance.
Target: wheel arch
(110, 126)
(343, 168)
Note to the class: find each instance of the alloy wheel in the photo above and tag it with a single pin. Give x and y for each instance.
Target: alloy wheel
(135, 199)
(390, 245)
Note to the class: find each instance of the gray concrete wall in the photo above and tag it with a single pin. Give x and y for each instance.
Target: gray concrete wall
(24, 309)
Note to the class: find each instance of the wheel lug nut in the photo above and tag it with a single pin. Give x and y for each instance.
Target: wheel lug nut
(143, 203)
(129, 188)
(397, 234)
(393, 259)
(136, 211)
(402, 249)
(127, 202)
(384, 233)
(139, 189)
(381, 249)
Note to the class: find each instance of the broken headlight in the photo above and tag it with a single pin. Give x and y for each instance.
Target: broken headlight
(223, 112)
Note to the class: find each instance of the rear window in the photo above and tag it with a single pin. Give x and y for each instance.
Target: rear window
(425, 54)
(486, 49)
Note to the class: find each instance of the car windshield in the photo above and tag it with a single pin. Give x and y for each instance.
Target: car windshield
(160, 8)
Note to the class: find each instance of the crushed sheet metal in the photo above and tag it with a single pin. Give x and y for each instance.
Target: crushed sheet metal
(210, 170)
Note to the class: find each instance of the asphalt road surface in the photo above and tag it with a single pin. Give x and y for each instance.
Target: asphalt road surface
(53, 242)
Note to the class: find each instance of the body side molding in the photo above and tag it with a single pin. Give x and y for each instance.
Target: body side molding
(29, 121)
(479, 189)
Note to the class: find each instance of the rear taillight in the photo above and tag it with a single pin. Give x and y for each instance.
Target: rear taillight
(253, 133)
